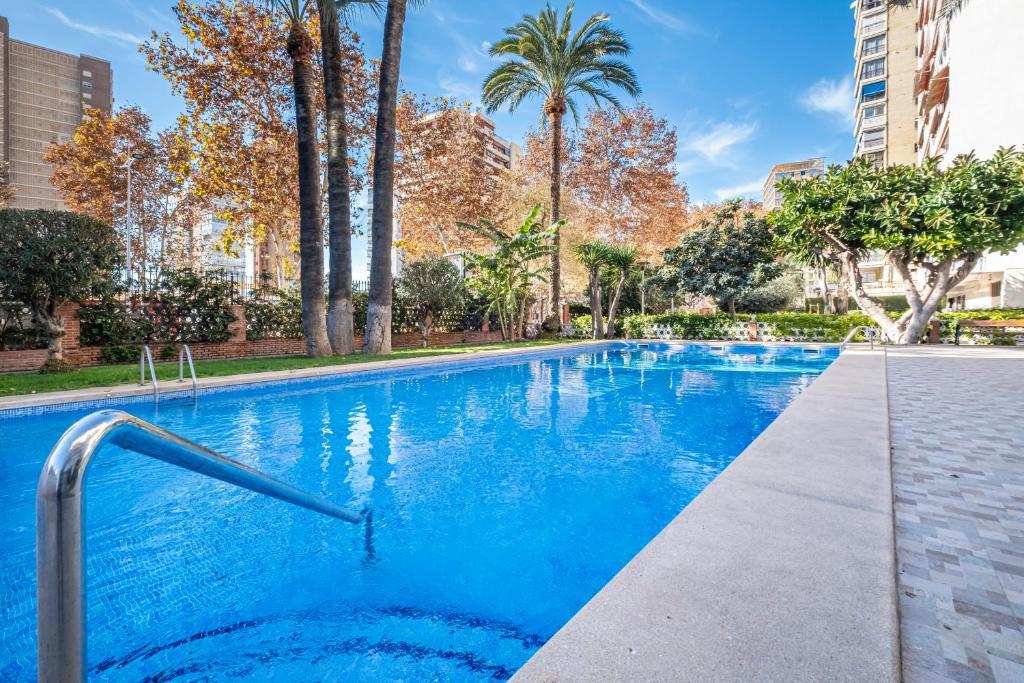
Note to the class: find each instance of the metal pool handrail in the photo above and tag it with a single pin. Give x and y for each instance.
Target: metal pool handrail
(186, 352)
(869, 332)
(60, 509)
(147, 355)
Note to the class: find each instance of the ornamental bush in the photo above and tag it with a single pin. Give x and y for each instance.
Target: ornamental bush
(274, 314)
(810, 326)
(185, 306)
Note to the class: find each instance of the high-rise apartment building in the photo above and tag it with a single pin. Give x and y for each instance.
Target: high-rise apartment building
(884, 51)
(808, 168)
(43, 94)
(970, 100)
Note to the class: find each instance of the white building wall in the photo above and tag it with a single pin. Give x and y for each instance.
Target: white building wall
(986, 108)
(986, 94)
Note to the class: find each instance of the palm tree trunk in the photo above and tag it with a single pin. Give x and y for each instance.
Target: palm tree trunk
(556, 112)
(613, 307)
(339, 218)
(311, 235)
(596, 317)
(377, 336)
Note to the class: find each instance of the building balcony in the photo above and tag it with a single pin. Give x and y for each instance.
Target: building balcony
(874, 27)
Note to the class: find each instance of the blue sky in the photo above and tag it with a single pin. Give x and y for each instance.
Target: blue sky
(746, 83)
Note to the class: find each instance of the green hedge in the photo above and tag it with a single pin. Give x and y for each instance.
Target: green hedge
(185, 306)
(827, 328)
(582, 326)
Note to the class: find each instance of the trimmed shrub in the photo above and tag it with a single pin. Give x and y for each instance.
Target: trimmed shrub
(778, 326)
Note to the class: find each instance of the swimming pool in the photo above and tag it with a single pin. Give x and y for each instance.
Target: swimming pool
(504, 493)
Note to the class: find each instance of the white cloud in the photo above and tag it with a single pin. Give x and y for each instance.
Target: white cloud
(830, 97)
(98, 31)
(716, 144)
(459, 89)
(660, 16)
(740, 191)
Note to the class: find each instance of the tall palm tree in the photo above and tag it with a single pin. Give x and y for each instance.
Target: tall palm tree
(594, 255)
(377, 335)
(619, 259)
(339, 203)
(311, 237)
(547, 59)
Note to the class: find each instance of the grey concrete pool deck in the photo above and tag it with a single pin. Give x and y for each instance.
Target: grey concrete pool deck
(782, 569)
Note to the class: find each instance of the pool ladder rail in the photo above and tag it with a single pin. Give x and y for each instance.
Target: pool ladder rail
(60, 509)
(870, 332)
(146, 359)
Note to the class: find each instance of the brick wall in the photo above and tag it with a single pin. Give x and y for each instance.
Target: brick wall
(236, 347)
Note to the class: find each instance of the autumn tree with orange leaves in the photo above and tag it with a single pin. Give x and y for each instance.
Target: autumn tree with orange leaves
(233, 71)
(88, 171)
(441, 175)
(625, 179)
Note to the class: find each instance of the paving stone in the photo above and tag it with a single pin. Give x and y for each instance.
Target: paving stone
(958, 479)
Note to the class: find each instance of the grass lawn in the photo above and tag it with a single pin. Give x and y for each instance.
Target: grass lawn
(109, 375)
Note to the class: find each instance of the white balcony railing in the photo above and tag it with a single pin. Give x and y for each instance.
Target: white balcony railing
(873, 121)
(872, 27)
(874, 143)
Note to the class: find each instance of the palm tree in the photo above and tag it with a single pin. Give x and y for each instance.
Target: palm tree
(594, 255)
(311, 239)
(377, 335)
(621, 259)
(547, 59)
(339, 204)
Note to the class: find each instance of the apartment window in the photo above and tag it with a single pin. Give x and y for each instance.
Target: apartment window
(873, 110)
(872, 92)
(873, 69)
(86, 74)
(87, 95)
(868, 5)
(872, 139)
(86, 84)
(873, 25)
(873, 46)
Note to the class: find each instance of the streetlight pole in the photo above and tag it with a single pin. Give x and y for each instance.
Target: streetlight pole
(128, 218)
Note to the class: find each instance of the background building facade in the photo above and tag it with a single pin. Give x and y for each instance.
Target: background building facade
(884, 53)
(808, 168)
(43, 94)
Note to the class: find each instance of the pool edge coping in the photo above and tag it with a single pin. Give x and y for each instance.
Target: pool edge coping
(53, 398)
(8, 404)
(741, 633)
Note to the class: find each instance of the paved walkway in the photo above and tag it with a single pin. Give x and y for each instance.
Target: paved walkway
(957, 420)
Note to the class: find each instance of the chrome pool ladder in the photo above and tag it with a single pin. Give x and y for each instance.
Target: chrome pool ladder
(60, 509)
(869, 332)
(146, 356)
(186, 352)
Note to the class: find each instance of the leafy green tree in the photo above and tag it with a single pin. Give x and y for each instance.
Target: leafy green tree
(932, 225)
(506, 275)
(432, 287)
(727, 254)
(48, 258)
(594, 255)
(546, 58)
(621, 260)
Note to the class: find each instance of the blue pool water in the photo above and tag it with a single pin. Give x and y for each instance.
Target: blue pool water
(503, 496)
